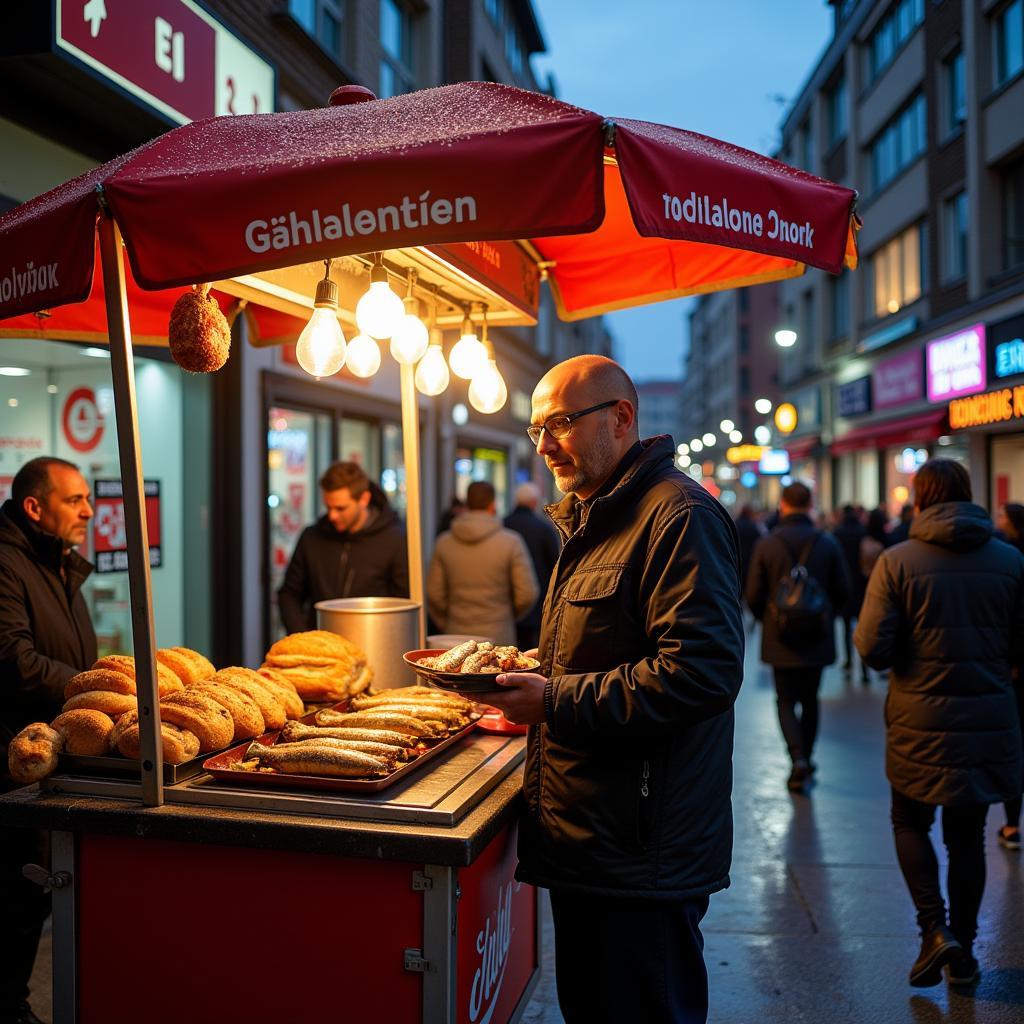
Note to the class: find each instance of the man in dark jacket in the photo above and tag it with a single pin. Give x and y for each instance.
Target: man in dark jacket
(945, 611)
(797, 665)
(750, 532)
(849, 532)
(629, 765)
(542, 542)
(356, 549)
(46, 637)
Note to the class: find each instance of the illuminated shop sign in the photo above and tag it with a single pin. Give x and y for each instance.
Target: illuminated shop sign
(1006, 344)
(774, 462)
(854, 399)
(956, 364)
(992, 407)
(898, 381)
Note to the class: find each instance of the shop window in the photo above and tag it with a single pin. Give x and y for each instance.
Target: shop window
(895, 278)
(899, 143)
(324, 20)
(396, 42)
(835, 103)
(1013, 215)
(954, 93)
(954, 237)
(359, 441)
(839, 288)
(890, 35)
(1009, 41)
(392, 472)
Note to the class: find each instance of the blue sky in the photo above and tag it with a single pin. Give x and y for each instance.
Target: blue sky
(725, 68)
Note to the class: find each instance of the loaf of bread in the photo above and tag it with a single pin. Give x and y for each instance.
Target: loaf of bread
(188, 665)
(100, 679)
(271, 705)
(244, 711)
(110, 703)
(322, 666)
(32, 754)
(167, 680)
(199, 714)
(84, 731)
(177, 745)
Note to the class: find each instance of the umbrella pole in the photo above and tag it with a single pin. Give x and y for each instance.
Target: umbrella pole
(133, 495)
(414, 511)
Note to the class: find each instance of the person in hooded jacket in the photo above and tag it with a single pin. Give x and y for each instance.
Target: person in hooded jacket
(46, 637)
(848, 533)
(356, 549)
(945, 612)
(481, 577)
(628, 776)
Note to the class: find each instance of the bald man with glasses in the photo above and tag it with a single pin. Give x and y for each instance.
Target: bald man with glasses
(628, 777)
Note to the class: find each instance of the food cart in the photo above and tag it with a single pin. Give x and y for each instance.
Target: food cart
(403, 904)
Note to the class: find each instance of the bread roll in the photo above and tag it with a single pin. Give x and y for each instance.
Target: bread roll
(84, 731)
(125, 722)
(188, 665)
(113, 704)
(317, 643)
(322, 666)
(100, 679)
(199, 714)
(244, 711)
(293, 703)
(167, 680)
(177, 745)
(271, 705)
(32, 754)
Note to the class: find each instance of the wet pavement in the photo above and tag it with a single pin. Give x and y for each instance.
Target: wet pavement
(817, 926)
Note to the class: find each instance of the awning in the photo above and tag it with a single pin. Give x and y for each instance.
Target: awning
(802, 447)
(925, 426)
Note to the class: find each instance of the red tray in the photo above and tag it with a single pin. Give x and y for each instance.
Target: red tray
(220, 767)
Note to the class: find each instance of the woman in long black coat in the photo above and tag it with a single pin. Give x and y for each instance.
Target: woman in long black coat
(945, 611)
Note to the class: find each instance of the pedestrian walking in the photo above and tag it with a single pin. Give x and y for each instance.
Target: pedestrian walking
(628, 776)
(541, 539)
(901, 531)
(797, 584)
(480, 578)
(1010, 523)
(849, 533)
(355, 549)
(750, 532)
(46, 637)
(945, 612)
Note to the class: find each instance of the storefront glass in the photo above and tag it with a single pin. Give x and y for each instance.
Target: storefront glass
(490, 464)
(392, 474)
(1007, 470)
(865, 484)
(901, 463)
(64, 406)
(360, 442)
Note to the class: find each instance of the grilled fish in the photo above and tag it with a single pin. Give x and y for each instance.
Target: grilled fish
(384, 751)
(401, 696)
(294, 731)
(424, 712)
(317, 759)
(380, 719)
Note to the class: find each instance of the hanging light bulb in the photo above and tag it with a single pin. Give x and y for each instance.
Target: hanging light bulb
(379, 312)
(468, 357)
(363, 356)
(320, 350)
(410, 340)
(487, 391)
(432, 373)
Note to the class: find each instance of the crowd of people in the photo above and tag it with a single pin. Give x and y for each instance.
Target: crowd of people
(630, 589)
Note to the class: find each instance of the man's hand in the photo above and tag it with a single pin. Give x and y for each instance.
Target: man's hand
(521, 698)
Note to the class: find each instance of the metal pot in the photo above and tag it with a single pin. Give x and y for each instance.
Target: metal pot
(384, 627)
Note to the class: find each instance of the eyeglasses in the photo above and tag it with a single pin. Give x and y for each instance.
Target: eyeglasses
(561, 426)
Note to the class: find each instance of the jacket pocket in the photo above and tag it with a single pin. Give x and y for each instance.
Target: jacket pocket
(592, 628)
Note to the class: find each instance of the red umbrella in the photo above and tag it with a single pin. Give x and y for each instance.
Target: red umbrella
(625, 212)
(618, 213)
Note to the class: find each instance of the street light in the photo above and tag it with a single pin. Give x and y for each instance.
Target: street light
(696, 445)
(763, 406)
(785, 338)
(709, 440)
(735, 436)
(762, 434)
(727, 426)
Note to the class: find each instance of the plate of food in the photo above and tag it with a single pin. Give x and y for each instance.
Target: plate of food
(470, 667)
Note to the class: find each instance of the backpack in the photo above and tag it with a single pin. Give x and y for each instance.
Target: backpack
(800, 606)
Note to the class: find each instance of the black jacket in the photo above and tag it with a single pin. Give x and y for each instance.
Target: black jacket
(46, 635)
(774, 557)
(749, 534)
(542, 542)
(372, 562)
(628, 783)
(848, 534)
(945, 611)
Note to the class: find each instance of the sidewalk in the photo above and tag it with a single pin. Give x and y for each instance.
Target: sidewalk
(817, 926)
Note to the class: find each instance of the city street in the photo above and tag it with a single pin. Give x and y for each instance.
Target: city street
(817, 925)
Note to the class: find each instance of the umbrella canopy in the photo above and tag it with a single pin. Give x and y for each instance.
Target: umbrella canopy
(620, 213)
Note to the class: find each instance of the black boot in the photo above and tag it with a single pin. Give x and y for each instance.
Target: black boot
(938, 948)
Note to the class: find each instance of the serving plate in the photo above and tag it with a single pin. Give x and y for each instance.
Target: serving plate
(458, 682)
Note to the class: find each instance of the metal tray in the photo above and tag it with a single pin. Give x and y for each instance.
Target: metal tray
(457, 682)
(117, 767)
(220, 767)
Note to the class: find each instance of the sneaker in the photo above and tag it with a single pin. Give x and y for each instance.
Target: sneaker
(963, 970)
(938, 948)
(1008, 837)
(799, 777)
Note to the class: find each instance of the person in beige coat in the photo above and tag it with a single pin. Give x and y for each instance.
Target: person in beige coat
(481, 578)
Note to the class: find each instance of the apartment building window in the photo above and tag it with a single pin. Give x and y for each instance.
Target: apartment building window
(891, 33)
(954, 93)
(494, 11)
(835, 100)
(1009, 42)
(839, 287)
(514, 48)
(1013, 215)
(396, 42)
(806, 147)
(895, 278)
(899, 143)
(954, 237)
(324, 20)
